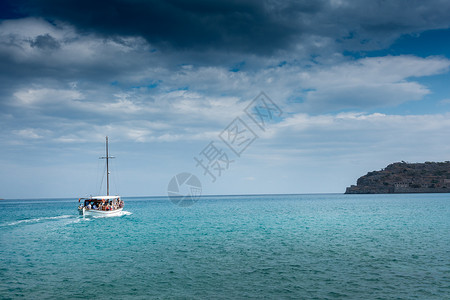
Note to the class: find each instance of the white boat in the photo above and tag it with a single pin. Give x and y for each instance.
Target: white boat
(102, 205)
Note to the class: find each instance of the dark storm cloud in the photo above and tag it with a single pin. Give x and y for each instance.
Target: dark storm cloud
(250, 26)
(135, 43)
(45, 42)
(231, 25)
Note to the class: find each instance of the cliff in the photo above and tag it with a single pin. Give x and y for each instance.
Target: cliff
(402, 177)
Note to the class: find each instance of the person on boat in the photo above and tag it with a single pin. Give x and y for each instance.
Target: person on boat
(89, 205)
(94, 206)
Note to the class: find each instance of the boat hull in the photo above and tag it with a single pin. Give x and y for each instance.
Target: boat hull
(100, 213)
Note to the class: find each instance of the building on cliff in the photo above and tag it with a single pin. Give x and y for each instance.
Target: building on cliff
(402, 177)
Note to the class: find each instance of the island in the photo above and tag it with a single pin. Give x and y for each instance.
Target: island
(403, 177)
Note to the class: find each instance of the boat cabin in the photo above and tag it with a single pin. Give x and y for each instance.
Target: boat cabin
(105, 203)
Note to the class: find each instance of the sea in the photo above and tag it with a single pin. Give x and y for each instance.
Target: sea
(321, 246)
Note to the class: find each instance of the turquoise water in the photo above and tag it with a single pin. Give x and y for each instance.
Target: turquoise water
(230, 247)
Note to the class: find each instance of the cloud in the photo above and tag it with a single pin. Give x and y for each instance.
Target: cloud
(164, 78)
(444, 102)
(230, 25)
(44, 96)
(28, 133)
(359, 138)
(260, 27)
(124, 74)
(33, 48)
(369, 82)
(45, 42)
(168, 114)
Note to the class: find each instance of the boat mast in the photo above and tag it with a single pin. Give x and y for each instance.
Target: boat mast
(107, 168)
(107, 157)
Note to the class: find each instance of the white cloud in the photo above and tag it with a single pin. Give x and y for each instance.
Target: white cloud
(29, 98)
(341, 134)
(28, 133)
(87, 64)
(444, 101)
(369, 82)
(163, 115)
(361, 122)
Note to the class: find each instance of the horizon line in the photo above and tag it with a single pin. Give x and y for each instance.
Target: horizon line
(207, 195)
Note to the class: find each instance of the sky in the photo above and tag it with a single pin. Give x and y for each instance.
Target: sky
(343, 88)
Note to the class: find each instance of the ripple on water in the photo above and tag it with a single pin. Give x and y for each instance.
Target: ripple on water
(297, 246)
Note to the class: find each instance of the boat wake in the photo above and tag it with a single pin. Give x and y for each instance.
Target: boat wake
(75, 218)
(37, 220)
(119, 214)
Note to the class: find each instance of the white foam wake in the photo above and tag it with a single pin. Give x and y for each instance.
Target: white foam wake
(36, 220)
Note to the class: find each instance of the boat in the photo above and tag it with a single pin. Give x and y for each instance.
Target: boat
(102, 205)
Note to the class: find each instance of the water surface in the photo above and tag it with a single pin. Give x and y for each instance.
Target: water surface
(264, 247)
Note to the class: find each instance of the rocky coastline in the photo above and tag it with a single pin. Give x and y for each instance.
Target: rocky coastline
(403, 177)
